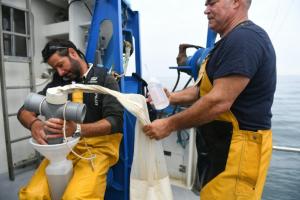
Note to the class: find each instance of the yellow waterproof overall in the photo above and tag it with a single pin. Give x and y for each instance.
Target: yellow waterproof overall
(86, 183)
(241, 172)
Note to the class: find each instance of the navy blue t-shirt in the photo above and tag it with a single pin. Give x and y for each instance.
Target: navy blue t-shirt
(247, 51)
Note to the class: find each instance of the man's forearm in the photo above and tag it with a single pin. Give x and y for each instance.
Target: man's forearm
(99, 128)
(211, 105)
(201, 112)
(184, 97)
(27, 118)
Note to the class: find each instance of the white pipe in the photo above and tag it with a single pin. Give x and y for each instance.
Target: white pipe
(289, 149)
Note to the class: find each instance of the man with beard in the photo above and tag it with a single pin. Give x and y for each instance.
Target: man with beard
(100, 132)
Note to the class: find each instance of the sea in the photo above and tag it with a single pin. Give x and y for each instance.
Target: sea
(283, 180)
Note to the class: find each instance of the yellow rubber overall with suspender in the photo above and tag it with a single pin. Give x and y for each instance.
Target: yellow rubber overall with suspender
(239, 168)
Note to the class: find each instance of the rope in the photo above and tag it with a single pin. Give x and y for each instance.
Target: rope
(40, 106)
(67, 141)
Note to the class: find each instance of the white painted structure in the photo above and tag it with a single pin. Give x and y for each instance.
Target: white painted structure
(45, 23)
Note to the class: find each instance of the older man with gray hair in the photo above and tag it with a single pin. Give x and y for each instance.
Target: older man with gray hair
(231, 106)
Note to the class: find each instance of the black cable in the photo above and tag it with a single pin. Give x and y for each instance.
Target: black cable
(174, 88)
(84, 4)
(182, 141)
(88, 8)
(71, 3)
(187, 83)
(142, 81)
(177, 81)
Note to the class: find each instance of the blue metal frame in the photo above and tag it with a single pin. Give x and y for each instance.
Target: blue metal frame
(211, 38)
(120, 15)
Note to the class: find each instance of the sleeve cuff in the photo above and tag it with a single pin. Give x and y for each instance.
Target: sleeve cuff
(116, 125)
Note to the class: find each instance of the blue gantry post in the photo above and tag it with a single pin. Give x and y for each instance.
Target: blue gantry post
(124, 21)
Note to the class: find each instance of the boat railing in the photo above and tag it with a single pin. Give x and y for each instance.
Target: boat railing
(288, 149)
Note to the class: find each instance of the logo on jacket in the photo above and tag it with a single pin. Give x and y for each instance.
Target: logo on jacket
(93, 80)
(96, 101)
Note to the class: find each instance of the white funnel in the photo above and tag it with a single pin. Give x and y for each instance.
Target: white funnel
(60, 170)
(55, 152)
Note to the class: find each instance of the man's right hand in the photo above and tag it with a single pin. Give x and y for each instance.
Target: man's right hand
(168, 94)
(181, 57)
(38, 133)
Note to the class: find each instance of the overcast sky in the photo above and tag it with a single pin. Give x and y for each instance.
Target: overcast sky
(164, 24)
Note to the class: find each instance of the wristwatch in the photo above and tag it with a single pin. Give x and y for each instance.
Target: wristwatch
(77, 132)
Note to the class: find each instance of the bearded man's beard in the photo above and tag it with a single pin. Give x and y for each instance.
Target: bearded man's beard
(75, 70)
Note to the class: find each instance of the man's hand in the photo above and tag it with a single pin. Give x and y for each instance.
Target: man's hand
(158, 129)
(55, 126)
(149, 99)
(167, 93)
(38, 133)
(181, 57)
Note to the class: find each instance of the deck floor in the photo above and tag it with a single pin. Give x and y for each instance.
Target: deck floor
(9, 189)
